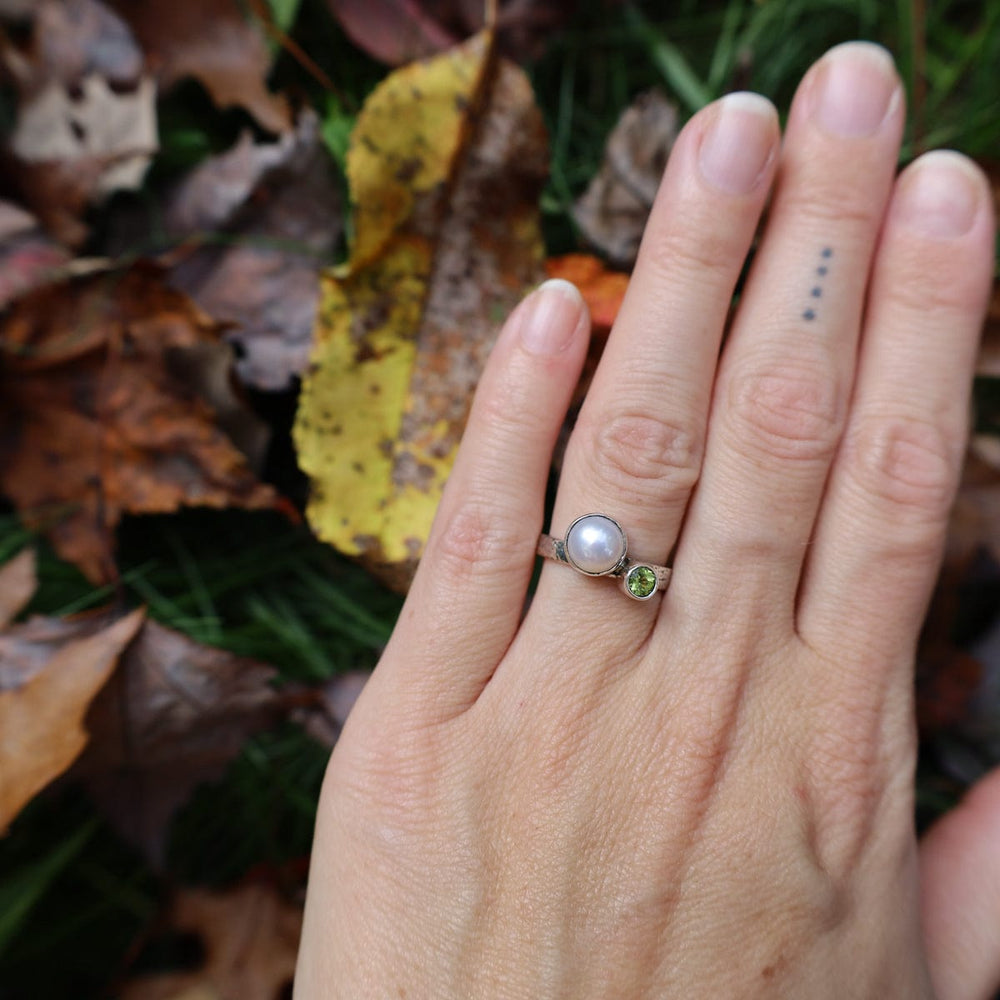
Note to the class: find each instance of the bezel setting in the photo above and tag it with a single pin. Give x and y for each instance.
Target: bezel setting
(637, 582)
(622, 562)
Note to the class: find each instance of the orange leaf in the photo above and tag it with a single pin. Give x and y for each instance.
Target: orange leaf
(602, 289)
(41, 719)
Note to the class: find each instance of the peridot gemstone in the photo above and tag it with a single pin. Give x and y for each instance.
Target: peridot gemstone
(641, 582)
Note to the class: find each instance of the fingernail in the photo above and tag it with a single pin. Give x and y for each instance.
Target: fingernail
(939, 195)
(740, 143)
(854, 90)
(551, 316)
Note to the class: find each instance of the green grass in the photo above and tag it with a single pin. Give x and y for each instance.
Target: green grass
(261, 587)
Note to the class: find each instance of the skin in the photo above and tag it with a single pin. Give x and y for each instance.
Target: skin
(709, 794)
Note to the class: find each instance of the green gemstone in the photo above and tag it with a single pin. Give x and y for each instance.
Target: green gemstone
(641, 581)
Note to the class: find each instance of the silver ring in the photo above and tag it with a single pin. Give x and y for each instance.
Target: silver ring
(596, 545)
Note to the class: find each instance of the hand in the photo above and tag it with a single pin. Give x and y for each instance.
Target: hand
(708, 794)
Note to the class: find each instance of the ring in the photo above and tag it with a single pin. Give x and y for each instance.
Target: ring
(596, 545)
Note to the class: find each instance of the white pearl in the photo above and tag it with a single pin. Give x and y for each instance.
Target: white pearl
(595, 544)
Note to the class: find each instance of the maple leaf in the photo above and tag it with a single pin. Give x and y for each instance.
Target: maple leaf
(172, 717)
(100, 417)
(217, 42)
(278, 205)
(446, 163)
(50, 671)
(398, 31)
(86, 115)
(250, 939)
(612, 212)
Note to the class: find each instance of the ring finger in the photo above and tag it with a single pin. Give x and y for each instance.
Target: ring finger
(636, 450)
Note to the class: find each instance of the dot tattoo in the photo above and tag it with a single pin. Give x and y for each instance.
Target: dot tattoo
(816, 291)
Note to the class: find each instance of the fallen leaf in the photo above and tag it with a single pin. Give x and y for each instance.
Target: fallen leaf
(399, 31)
(100, 418)
(250, 938)
(217, 42)
(28, 257)
(324, 717)
(612, 212)
(47, 681)
(277, 220)
(446, 163)
(602, 289)
(86, 117)
(18, 581)
(173, 717)
(72, 40)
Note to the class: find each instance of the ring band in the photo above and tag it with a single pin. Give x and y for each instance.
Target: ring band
(596, 545)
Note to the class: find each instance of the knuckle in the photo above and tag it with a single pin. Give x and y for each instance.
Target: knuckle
(906, 464)
(832, 200)
(678, 255)
(474, 539)
(790, 413)
(644, 452)
(930, 284)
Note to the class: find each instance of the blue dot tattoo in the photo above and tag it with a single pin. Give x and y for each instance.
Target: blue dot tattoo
(816, 291)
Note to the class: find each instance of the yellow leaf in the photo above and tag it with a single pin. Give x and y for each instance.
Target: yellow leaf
(445, 166)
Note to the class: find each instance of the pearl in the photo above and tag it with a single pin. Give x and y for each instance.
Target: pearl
(595, 544)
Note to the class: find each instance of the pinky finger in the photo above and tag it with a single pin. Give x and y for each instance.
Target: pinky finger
(466, 600)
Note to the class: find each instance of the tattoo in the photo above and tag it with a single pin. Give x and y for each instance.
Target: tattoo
(816, 291)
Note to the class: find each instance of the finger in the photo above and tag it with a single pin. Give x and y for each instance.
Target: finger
(960, 896)
(466, 599)
(880, 532)
(785, 377)
(636, 450)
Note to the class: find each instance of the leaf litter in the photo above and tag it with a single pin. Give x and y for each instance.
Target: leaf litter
(119, 379)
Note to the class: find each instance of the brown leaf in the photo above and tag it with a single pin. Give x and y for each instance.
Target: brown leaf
(28, 257)
(18, 581)
(324, 717)
(49, 673)
(73, 39)
(174, 716)
(281, 227)
(250, 938)
(99, 419)
(612, 212)
(218, 43)
(86, 117)
(400, 31)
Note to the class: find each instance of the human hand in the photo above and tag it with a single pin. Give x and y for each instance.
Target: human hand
(708, 794)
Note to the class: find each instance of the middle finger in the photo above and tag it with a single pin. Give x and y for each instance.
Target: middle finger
(785, 378)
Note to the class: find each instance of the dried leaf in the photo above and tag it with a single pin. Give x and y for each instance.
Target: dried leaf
(86, 118)
(278, 207)
(250, 938)
(218, 43)
(28, 258)
(18, 581)
(72, 40)
(100, 417)
(398, 31)
(47, 681)
(174, 716)
(324, 717)
(601, 288)
(445, 166)
(612, 212)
